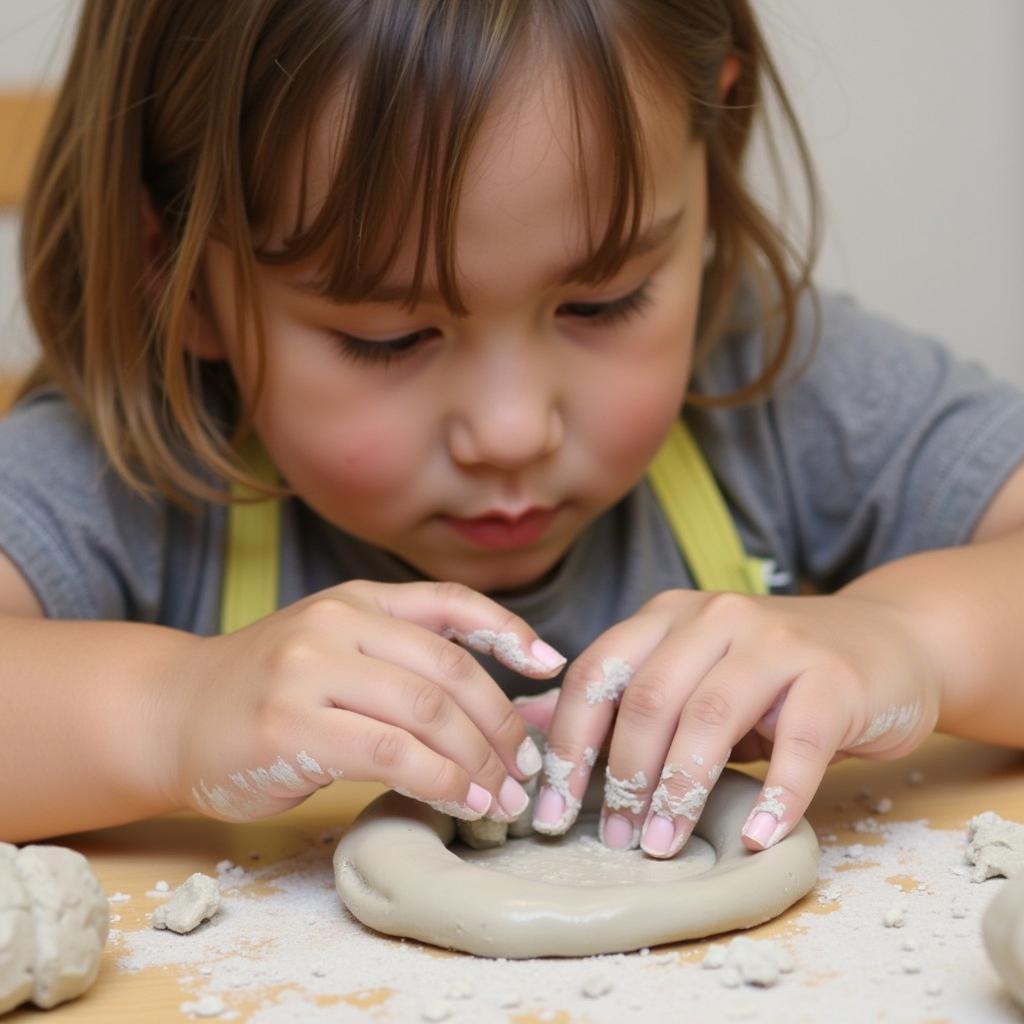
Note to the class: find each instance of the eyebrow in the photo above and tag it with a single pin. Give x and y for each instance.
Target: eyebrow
(646, 241)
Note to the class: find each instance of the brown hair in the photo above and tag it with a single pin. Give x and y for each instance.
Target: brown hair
(191, 104)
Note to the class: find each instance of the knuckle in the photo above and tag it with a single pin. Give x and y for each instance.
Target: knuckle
(586, 669)
(645, 700)
(387, 749)
(663, 600)
(448, 782)
(709, 708)
(452, 592)
(491, 770)
(430, 705)
(293, 656)
(322, 613)
(510, 729)
(455, 664)
(728, 607)
(807, 743)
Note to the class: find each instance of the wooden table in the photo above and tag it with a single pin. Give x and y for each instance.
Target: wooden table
(961, 779)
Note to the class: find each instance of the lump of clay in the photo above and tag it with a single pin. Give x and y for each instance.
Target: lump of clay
(194, 901)
(54, 919)
(995, 846)
(1003, 931)
(754, 962)
(484, 834)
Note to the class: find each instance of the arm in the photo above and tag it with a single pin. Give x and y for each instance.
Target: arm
(968, 606)
(85, 728)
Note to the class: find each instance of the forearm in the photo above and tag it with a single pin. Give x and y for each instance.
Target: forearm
(967, 608)
(88, 717)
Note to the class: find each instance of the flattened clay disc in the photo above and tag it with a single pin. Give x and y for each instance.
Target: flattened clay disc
(395, 872)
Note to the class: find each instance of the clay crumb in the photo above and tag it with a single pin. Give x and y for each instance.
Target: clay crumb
(754, 962)
(196, 900)
(995, 846)
(205, 1006)
(915, 778)
(854, 852)
(883, 805)
(162, 886)
(714, 958)
(460, 990)
(895, 916)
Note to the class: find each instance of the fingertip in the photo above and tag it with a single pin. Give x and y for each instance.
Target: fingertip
(548, 658)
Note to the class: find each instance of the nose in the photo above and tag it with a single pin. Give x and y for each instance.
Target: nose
(508, 412)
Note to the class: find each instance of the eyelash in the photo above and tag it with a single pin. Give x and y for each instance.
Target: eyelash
(382, 352)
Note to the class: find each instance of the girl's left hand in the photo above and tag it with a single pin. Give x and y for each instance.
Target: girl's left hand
(705, 676)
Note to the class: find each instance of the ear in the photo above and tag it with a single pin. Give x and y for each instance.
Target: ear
(728, 75)
(201, 339)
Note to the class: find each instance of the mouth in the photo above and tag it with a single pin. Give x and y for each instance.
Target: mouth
(500, 532)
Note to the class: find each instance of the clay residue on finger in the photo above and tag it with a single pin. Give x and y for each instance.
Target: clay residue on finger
(615, 676)
(528, 759)
(556, 776)
(625, 793)
(897, 719)
(506, 647)
(688, 804)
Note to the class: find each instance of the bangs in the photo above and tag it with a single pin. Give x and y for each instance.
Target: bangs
(420, 78)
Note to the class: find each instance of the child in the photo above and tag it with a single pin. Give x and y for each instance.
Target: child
(440, 275)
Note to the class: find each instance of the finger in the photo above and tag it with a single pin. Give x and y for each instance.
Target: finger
(584, 714)
(537, 710)
(424, 708)
(810, 730)
(332, 744)
(647, 719)
(465, 680)
(717, 714)
(466, 616)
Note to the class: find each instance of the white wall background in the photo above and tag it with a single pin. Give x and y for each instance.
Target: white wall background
(913, 111)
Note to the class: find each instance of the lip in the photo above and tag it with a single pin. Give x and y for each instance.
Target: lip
(498, 531)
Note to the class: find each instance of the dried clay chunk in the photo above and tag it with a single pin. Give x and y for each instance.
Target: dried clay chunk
(483, 834)
(195, 900)
(54, 919)
(995, 846)
(1003, 930)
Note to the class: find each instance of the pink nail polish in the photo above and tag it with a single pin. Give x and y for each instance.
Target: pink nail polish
(617, 832)
(658, 835)
(478, 799)
(546, 654)
(512, 798)
(550, 807)
(761, 828)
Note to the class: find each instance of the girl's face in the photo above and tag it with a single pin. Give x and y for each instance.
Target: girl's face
(548, 398)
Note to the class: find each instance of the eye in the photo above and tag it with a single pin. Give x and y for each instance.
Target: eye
(379, 352)
(612, 312)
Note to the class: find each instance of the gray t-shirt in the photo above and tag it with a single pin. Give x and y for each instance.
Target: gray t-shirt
(884, 445)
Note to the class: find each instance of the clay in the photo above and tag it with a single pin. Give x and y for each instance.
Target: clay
(753, 962)
(194, 901)
(714, 885)
(995, 846)
(54, 919)
(1002, 928)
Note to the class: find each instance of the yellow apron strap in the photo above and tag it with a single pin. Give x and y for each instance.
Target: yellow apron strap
(252, 559)
(679, 475)
(699, 518)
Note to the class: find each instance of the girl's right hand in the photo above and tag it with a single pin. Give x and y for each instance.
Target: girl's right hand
(358, 682)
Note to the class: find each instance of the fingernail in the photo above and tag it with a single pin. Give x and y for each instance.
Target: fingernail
(478, 799)
(550, 807)
(617, 832)
(658, 835)
(761, 828)
(513, 798)
(546, 654)
(528, 759)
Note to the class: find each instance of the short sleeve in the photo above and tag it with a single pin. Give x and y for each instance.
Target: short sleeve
(89, 546)
(889, 445)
